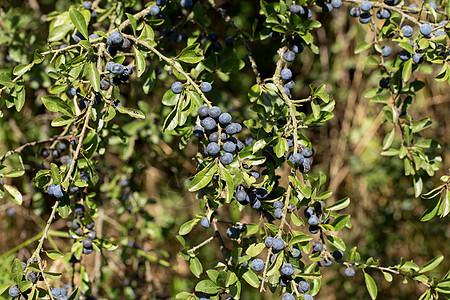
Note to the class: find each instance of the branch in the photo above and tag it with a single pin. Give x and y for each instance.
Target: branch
(172, 63)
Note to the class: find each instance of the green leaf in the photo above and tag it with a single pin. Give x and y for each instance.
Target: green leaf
(336, 242)
(4, 287)
(54, 254)
(22, 69)
(387, 276)
(388, 139)
(15, 173)
(148, 80)
(140, 62)
(251, 278)
(203, 177)
(94, 76)
(407, 69)
(25, 285)
(15, 194)
(421, 125)
(362, 47)
(17, 271)
(190, 57)
(390, 152)
(133, 22)
(255, 249)
(431, 264)
(341, 204)
(371, 286)
(187, 227)
(56, 104)
(299, 239)
(281, 147)
(59, 32)
(75, 294)
(19, 100)
(196, 267)
(132, 112)
(207, 286)
(78, 20)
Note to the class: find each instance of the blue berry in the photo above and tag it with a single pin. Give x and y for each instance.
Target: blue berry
(336, 3)
(413, 5)
(212, 149)
(297, 48)
(290, 85)
(226, 158)
(296, 8)
(229, 41)
(327, 8)
(278, 244)
(303, 287)
(386, 51)
(154, 10)
(87, 5)
(233, 128)
(92, 234)
(268, 241)
(313, 220)
(115, 38)
(366, 6)
(225, 119)
(261, 193)
(214, 112)
(109, 65)
(161, 2)
(94, 37)
(383, 13)
(288, 296)
(289, 56)
(417, 58)
(318, 247)
(384, 83)
(186, 3)
(199, 132)
(325, 262)
(404, 55)
(425, 29)
(287, 269)
(278, 204)
(286, 74)
(104, 84)
(365, 18)
(256, 204)
(338, 254)
(241, 196)
(205, 87)
(249, 141)
(313, 229)
(87, 243)
(294, 252)
(392, 2)
(278, 213)
(56, 292)
(14, 291)
(439, 33)
(407, 31)
(433, 5)
(229, 147)
(349, 272)
(257, 265)
(177, 87)
(117, 69)
(308, 297)
(78, 37)
(297, 159)
(273, 257)
(355, 12)
(203, 111)
(205, 222)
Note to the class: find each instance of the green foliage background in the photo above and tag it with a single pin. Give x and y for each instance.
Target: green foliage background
(384, 211)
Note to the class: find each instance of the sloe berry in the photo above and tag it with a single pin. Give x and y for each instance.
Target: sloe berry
(257, 265)
(366, 6)
(288, 296)
(287, 269)
(205, 222)
(386, 51)
(202, 111)
(232, 233)
(214, 112)
(213, 148)
(225, 119)
(226, 158)
(205, 87)
(177, 87)
(286, 74)
(289, 56)
(425, 29)
(303, 287)
(154, 10)
(349, 272)
(209, 123)
(278, 244)
(338, 254)
(407, 31)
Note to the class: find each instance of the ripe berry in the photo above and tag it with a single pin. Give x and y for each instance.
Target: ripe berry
(125, 44)
(313, 220)
(241, 196)
(294, 252)
(214, 112)
(338, 254)
(404, 55)
(154, 10)
(14, 291)
(268, 241)
(366, 6)
(289, 56)
(386, 51)
(383, 13)
(392, 2)
(212, 148)
(233, 128)
(232, 233)
(45, 152)
(384, 83)
(229, 41)
(226, 158)
(286, 74)
(417, 58)
(336, 3)
(288, 296)
(78, 37)
(308, 297)
(349, 272)
(117, 69)
(87, 243)
(92, 234)
(229, 147)
(104, 84)
(407, 31)
(225, 119)
(257, 265)
(318, 247)
(297, 159)
(177, 87)
(278, 244)
(208, 123)
(314, 229)
(203, 111)
(32, 277)
(296, 8)
(199, 131)
(425, 29)
(287, 269)
(256, 204)
(186, 3)
(205, 87)
(115, 38)
(87, 5)
(303, 287)
(205, 222)
(56, 292)
(355, 12)
(365, 18)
